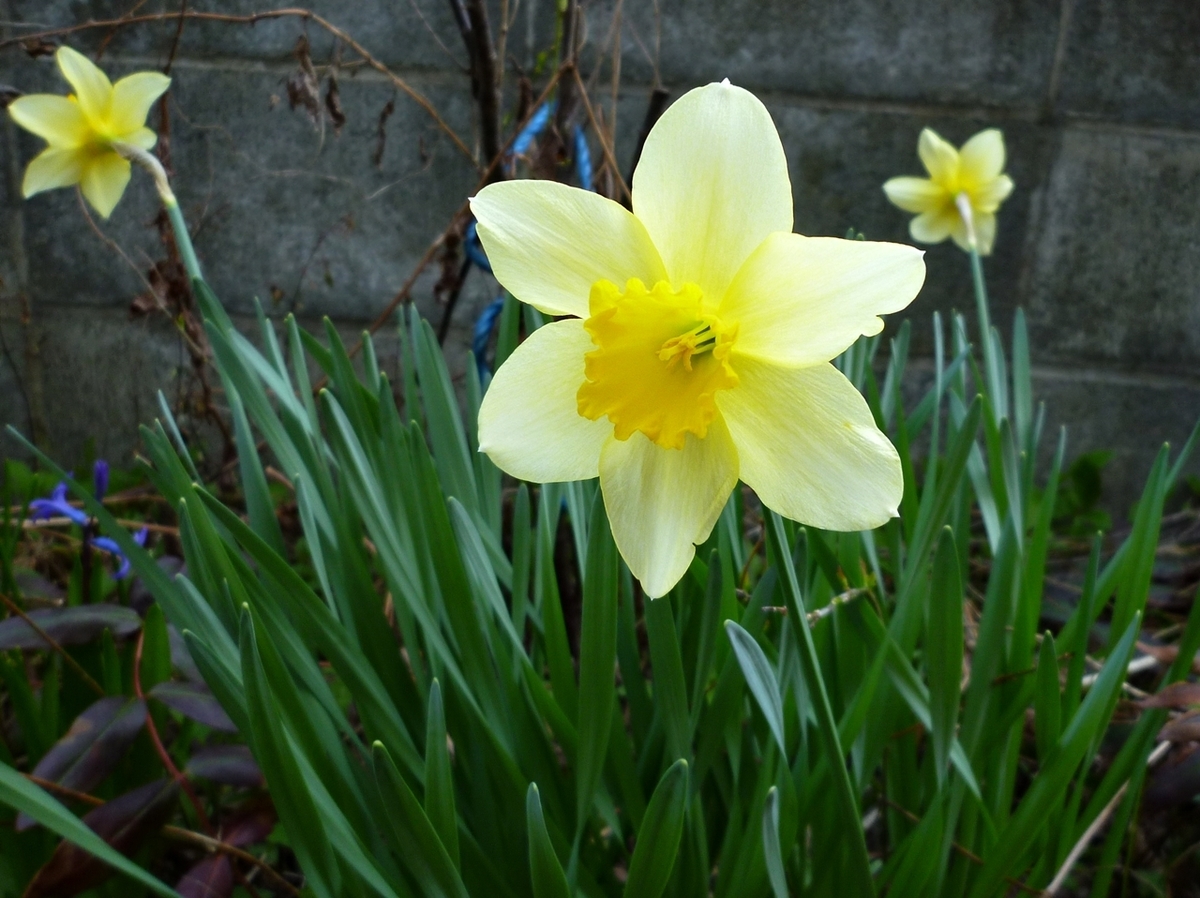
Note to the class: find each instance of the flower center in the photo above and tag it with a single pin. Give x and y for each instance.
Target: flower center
(659, 360)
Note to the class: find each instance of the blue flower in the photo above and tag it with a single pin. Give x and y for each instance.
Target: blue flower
(107, 545)
(56, 506)
(100, 478)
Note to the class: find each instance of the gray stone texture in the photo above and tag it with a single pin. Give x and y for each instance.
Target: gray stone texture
(1100, 242)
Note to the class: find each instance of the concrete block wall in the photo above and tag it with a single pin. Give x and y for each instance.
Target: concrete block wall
(1100, 243)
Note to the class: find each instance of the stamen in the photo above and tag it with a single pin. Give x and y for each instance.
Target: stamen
(698, 340)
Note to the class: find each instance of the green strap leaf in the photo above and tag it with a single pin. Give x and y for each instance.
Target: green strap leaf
(760, 677)
(439, 782)
(418, 844)
(858, 870)
(597, 658)
(549, 880)
(658, 839)
(771, 848)
(944, 648)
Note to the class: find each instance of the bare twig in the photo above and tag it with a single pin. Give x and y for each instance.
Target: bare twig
(291, 12)
(1099, 823)
(568, 56)
(405, 291)
(160, 749)
(601, 135)
(485, 83)
(187, 835)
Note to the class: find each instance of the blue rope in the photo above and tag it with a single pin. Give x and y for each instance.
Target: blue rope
(483, 333)
(583, 159)
(473, 248)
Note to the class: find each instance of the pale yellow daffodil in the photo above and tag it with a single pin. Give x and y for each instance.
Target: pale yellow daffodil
(86, 130)
(962, 193)
(696, 340)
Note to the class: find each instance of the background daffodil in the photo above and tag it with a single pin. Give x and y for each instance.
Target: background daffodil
(86, 129)
(696, 343)
(962, 182)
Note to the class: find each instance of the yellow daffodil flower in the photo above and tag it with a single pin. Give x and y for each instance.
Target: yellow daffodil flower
(696, 344)
(86, 130)
(960, 197)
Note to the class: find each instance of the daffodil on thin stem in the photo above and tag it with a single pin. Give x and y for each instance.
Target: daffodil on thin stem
(959, 201)
(93, 134)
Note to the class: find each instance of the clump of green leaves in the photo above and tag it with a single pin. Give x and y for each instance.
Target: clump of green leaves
(796, 717)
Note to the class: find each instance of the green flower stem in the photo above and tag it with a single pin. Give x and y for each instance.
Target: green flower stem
(162, 184)
(996, 393)
(183, 239)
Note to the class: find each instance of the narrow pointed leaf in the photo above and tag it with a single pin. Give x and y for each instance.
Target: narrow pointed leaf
(549, 880)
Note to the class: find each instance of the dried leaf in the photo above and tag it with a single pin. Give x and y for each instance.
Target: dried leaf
(125, 823)
(39, 46)
(229, 765)
(77, 625)
(1178, 695)
(196, 701)
(333, 103)
(92, 747)
(303, 89)
(1182, 729)
(1174, 783)
(381, 132)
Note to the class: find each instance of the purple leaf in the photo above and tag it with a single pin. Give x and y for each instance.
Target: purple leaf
(252, 824)
(140, 598)
(31, 583)
(196, 701)
(125, 823)
(76, 625)
(211, 878)
(92, 747)
(229, 765)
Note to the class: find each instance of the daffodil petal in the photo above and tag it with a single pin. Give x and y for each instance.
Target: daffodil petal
(809, 447)
(982, 157)
(104, 180)
(662, 502)
(91, 85)
(142, 137)
(548, 243)
(57, 120)
(936, 226)
(915, 194)
(132, 98)
(939, 157)
(711, 184)
(989, 196)
(985, 232)
(52, 168)
(802, 300)
(529, 423)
